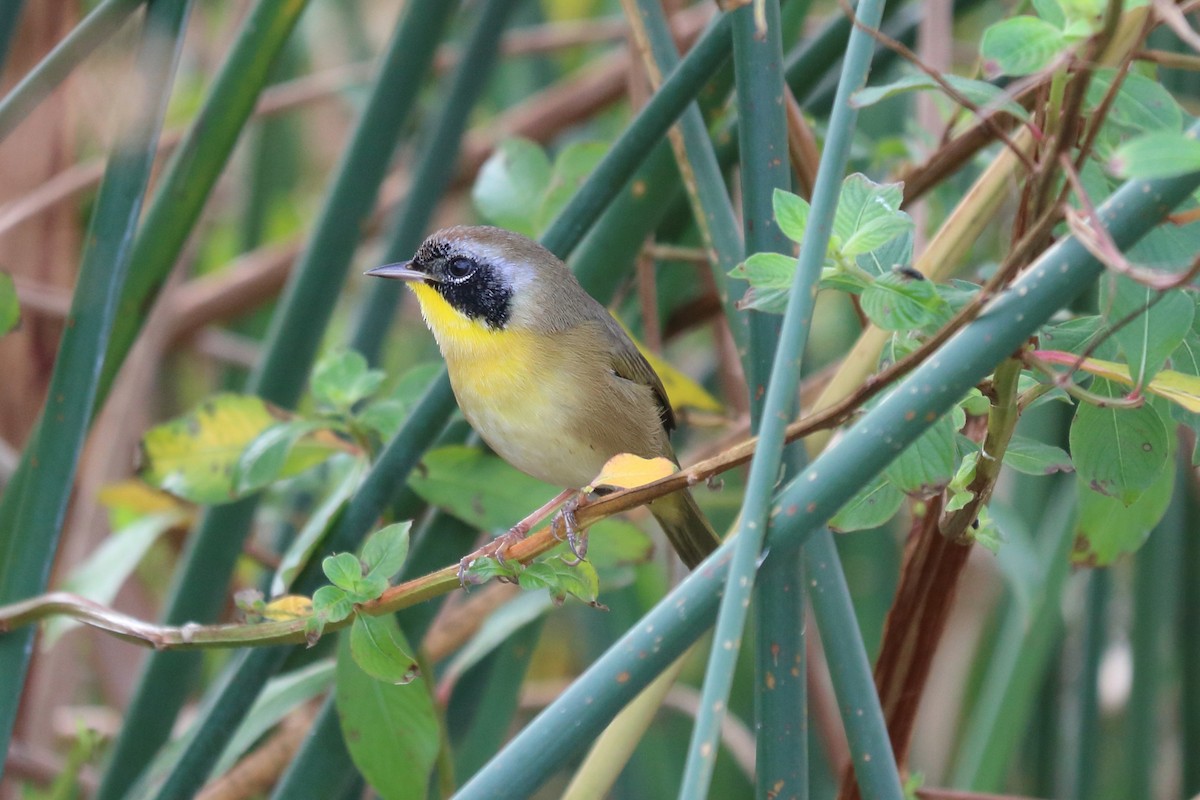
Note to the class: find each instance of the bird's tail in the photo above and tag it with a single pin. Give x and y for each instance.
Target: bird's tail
(686, 527)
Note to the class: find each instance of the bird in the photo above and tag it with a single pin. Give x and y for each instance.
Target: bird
(544, 373)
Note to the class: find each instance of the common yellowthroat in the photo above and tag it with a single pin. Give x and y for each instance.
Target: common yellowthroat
(542, 371)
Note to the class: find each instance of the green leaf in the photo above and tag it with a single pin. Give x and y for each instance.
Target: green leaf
(896, 252)
(273, 454)
(390, 730)
(1020, 46)
(896, 302)
(305, 543)
(1079, 334)
(983, 94)
(1154, 333)
(874, 505)
(868, 215)
(386, 549)
(1031, 457)
(927, 465)
(571, 168)
(618, 544)
(342, 378)
(791, 214)
(511, 184)
(561, 579)
(1108, 528)
(194, 456)
(1118, 451)
(1161, 154)
(10, 308)
(770, 277)
(331, 604)
(344, 571)
(376, 645)
(1142, 104)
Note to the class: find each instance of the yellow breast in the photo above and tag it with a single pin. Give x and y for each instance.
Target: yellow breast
(515, 390)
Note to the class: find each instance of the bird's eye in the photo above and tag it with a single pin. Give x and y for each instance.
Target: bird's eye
(459, 268)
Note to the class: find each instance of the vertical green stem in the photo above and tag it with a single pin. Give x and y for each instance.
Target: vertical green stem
(30, 535)
(1187, 642)
(781, 703)
(10, 19)
(785, 375)
(1086, 766)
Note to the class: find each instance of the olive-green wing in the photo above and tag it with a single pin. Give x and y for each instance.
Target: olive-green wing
(628, 363)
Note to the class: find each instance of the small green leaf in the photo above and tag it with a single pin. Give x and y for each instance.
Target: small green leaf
(1142, 104)
(560, 579)
(985, 95)
(927, 465)
(483, 570)
(1118, 451)
(1158, 324)
(791, 214)
(1031, 457)
(390, 730)
(896, 302)
(386, 549)
(331, 604)
(874, 505)
(272, 455)
(343, 570)
(375, 643)
(770, 277)
(1161, 154)
(10, 308)
(343, 378)
(1020, 46)
(511, 184)
(1108, 528)
(868, 215)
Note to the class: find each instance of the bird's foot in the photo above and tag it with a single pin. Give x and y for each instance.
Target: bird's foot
(575, 538)
(497, 548)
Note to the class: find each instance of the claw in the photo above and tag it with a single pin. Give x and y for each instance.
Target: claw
(497, 549)
(576, 539)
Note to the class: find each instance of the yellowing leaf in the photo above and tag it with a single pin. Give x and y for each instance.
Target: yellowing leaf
(138, 497)
(682, 391)
(290, 606)
(1178, 387)
(194, 456)
(625, 470)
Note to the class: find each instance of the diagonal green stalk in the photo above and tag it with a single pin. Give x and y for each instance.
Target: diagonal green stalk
(295, 334)
(573, 720)
(780, 399)
(195, 167)
(435, 166)
(32, 517)
(697, 161)
(92, 31)
(780, 686)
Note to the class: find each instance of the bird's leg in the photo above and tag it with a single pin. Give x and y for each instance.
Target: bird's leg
(498, 547)
(576, 539)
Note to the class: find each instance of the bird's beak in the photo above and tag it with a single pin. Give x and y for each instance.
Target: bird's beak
(401, 271)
